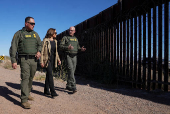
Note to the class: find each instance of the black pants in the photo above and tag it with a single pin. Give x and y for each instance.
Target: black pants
(49, 82)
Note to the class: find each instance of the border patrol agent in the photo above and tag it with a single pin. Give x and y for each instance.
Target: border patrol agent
(70, 45)
(27, 43)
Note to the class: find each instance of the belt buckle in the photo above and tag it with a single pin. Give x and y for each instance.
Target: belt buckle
(26, 57)
(31, 56)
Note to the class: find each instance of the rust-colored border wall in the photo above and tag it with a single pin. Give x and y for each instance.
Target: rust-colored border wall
(128, 42)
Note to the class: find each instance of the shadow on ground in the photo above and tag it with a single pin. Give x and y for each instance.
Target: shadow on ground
(17, 86)
(156, 96)
(6, 93)
(56, 88)
(63, 90)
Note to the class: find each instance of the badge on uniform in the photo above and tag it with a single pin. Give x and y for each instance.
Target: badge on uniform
(34, 35)
(72, 39)
(27, 36)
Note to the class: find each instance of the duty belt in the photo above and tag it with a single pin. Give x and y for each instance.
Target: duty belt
(27, 56)
(72, 54)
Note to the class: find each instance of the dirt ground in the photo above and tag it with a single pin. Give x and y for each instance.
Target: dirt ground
(91, 98)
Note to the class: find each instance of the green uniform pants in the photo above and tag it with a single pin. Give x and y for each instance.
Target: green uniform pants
(71, 67)
(28, 69)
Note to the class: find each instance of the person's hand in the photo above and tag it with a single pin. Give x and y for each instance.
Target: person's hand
(42, 65)
(59, 62)
(38, 55)
(70, 47)
(14, 65)
(83, 49)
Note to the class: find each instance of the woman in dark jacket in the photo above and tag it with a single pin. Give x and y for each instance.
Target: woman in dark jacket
(49, 59)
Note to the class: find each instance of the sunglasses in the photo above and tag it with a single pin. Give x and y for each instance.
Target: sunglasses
(31, 23)
(55, 33)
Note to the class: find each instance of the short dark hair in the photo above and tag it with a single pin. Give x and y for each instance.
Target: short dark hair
(28, 18)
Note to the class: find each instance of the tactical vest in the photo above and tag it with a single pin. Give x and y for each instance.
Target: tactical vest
(74, 42)
(27, 43)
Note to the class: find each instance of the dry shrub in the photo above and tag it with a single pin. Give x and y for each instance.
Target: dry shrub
(39, 77)
(7, 65)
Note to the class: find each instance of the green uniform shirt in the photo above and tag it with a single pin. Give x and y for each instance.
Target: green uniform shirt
(66, 41)
(17, 39)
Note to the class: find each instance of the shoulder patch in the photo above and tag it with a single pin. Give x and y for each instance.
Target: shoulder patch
(34, 35)
(14, 36)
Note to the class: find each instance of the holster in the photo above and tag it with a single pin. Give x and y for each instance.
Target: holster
(72, 54)
(18, 59)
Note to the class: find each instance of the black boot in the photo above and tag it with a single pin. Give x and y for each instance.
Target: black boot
(47, 92)
(54, 95)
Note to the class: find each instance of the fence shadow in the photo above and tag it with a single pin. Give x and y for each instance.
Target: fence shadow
(63, 90)
(38, 84)
(154, 96)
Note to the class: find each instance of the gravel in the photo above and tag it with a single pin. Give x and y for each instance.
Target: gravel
(91, 98)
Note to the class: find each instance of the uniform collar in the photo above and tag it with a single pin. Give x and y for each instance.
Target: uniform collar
(24, 29)
(71, 36)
